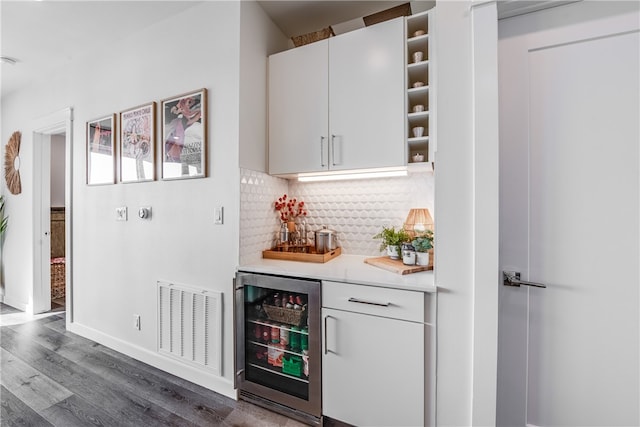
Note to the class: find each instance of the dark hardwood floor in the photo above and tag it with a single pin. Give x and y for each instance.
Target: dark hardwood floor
(51, 377)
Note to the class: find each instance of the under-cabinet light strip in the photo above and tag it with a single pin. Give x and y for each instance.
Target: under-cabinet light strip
(345, 176)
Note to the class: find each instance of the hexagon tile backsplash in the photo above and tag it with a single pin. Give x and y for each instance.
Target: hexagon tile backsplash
(356, 209)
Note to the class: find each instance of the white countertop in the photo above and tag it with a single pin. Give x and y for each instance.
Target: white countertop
(345, 268)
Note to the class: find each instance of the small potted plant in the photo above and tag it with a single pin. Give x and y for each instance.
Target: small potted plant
(3, 219)
(422, 244)
(391, 240)
(3, 228)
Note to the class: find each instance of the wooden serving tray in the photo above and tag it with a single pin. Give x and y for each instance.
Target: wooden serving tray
(396, 265)
(301, 256)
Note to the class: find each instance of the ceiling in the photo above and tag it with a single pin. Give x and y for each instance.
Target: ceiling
(47, 35)
(295, 18)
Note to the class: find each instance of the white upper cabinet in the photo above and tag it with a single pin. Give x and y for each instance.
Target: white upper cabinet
(339, 104)
(366, 97)
(299, 109)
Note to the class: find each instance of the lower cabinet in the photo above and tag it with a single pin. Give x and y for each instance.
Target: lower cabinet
(373, 371)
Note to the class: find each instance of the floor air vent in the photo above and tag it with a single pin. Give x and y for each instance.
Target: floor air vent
(190, 325)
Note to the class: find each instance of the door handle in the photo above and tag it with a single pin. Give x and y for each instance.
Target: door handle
(321, 152)
(512, 278)
(333, 150)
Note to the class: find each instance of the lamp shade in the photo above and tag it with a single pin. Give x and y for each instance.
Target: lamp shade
(418, 221)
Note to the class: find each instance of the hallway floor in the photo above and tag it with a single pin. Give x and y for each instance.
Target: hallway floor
(51, 377)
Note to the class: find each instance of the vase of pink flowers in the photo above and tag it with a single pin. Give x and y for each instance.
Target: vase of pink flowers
(289, 209)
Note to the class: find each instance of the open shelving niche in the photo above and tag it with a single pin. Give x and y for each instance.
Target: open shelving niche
(421, 71)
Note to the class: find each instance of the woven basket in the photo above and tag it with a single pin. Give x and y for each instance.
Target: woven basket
(385, 15)
(57, 278)
(315, 36)
(285, 315)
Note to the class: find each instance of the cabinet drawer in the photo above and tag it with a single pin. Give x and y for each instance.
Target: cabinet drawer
(385, 302)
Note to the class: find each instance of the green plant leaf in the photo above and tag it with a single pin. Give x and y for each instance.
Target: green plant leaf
(391, 237)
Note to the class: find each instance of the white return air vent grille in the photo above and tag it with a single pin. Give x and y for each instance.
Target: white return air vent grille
(190, 325)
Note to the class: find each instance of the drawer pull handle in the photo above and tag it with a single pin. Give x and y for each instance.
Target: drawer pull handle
(361, 301)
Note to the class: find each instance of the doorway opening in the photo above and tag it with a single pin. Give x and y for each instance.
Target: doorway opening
(52, 289)
(57, 221)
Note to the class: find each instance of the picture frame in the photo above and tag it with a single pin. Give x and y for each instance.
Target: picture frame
(101, 150)
(137, 143)
(184, 135)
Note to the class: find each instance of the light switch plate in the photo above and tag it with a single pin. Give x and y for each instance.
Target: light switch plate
(218, 215)
(121, 213)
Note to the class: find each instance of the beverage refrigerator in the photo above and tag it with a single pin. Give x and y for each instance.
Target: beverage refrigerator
(277, 344)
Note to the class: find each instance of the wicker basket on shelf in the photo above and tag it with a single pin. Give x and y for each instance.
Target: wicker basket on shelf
(58, 278)
(315, 36)
(285, 315)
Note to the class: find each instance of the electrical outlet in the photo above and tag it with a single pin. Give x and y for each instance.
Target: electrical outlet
(121, 213)
(136, 321)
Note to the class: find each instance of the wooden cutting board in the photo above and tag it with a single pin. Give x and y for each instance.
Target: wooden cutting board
(396, 265)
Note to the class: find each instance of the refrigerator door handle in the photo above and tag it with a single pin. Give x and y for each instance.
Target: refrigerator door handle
(238, 329)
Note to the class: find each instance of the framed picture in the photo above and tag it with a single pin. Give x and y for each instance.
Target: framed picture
(184, 136)
(101, 147)
(137, 143)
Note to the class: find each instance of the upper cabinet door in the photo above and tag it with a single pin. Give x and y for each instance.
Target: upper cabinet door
(298, 110)
(367, 97)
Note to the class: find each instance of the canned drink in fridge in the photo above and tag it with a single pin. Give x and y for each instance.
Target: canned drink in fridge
(257, 332)
(284, 336)
(305, 361)
(266, 333)
(275, 334)
(275, 354)
(304, 338)
(294, 338)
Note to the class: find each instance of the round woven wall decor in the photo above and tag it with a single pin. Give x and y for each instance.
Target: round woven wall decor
(12, 163)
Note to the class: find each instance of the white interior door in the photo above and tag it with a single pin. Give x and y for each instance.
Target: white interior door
(569, 216)
(42, 223)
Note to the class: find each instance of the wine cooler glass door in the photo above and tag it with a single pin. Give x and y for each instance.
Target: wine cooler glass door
(278, 343)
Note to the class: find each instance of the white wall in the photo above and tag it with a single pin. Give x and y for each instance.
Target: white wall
(466, 202)
(253, 78)
(117, 264)
(454, 210)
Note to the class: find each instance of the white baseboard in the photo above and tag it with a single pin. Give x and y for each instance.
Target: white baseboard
(20, 305)
(190, 373)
